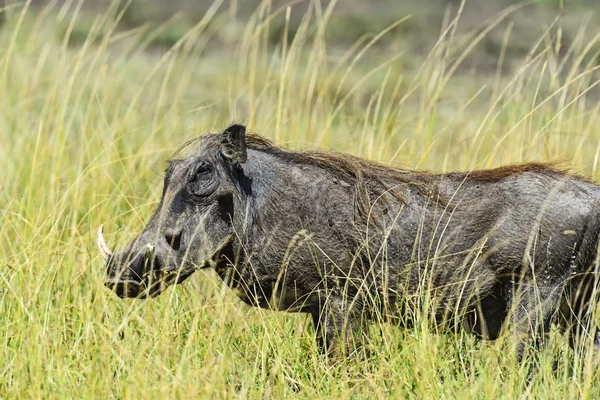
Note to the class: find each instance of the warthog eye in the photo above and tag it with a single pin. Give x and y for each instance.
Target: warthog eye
(203, 167)
(202, 183)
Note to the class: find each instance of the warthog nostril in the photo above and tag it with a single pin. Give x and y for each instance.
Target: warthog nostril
(174, 240)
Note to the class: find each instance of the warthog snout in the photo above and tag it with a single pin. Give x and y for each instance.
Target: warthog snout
(141, 270)
(126, 274)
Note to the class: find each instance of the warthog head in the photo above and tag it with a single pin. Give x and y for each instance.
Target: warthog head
(192, 227)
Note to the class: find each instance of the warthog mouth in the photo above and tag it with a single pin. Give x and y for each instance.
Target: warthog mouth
(151, 284)
(153, 281)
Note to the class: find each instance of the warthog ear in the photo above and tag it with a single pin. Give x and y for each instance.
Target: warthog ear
(233, 144)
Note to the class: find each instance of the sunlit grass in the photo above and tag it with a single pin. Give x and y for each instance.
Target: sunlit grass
(86, 128)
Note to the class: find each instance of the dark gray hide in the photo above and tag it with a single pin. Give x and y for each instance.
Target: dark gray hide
(349, 241)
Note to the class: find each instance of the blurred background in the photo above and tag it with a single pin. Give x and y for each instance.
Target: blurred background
(353, 19)
(443, 65)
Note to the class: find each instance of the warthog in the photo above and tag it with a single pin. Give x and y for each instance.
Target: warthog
(348, 240)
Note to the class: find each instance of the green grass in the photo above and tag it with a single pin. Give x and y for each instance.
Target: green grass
(87, 123)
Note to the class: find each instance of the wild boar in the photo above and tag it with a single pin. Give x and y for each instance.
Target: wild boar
(348, 240)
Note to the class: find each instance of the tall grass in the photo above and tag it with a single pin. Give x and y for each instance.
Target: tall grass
(89, 115)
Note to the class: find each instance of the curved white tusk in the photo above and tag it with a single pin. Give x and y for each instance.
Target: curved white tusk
(104, 250)
(149, 251)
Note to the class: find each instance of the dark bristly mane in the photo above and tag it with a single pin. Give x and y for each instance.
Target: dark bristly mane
(494, 174)
(349, 166)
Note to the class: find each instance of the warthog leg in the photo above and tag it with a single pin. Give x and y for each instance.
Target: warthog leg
(532, 311)
(577, 311)
(340, 326)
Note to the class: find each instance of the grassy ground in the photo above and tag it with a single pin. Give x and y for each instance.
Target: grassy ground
(88, 118)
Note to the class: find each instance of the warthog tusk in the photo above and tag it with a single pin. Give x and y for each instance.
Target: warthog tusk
(104, 250)
(148, 259)
(149, 252)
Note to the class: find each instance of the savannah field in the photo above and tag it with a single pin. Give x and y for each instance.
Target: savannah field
(96, 96)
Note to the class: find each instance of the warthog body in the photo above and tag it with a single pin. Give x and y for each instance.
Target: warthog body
(347, 240)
